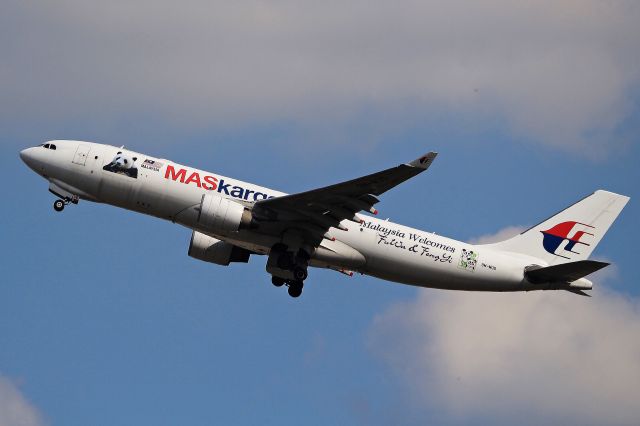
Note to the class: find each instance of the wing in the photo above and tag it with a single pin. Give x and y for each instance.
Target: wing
(315, 212)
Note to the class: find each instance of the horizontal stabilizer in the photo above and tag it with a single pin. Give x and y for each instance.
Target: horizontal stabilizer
(578, 291)
(564, 272)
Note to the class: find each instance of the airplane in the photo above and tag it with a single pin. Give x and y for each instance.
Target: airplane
(331, 227)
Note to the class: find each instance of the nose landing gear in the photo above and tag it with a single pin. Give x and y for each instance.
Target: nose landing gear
(58, 205)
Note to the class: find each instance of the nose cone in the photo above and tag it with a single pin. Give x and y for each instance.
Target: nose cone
(25, 155)
(28, 157)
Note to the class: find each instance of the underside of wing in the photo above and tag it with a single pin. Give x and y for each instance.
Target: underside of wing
(315, 212)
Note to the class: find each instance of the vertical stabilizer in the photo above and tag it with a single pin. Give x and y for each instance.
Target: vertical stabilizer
(573, 233)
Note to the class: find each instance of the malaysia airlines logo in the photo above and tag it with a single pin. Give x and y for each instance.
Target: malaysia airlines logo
(572, 232)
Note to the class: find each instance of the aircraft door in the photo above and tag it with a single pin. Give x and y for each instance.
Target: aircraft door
(81, 154)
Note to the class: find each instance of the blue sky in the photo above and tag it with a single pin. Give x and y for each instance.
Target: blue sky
(105, 320)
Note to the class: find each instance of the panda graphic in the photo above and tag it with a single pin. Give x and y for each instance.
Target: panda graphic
(468, 260)
(123, 164)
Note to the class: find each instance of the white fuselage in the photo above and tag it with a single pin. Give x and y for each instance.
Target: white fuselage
(174, 192)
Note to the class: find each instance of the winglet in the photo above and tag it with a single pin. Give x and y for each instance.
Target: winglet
(425, 161)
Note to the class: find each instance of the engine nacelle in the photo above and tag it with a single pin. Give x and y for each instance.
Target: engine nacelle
(222, 215)
(209, 249)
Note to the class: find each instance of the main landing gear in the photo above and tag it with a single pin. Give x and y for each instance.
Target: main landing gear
(294, 286)
(288, 268)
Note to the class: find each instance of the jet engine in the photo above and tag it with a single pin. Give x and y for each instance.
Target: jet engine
(209, 249)
(221, 215)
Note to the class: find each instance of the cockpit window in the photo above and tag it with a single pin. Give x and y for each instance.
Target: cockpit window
(47, 146)
(52, 146)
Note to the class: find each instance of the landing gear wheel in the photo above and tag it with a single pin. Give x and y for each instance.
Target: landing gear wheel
(277, 281)
(58, 205)
(295, 288)
(299, 273)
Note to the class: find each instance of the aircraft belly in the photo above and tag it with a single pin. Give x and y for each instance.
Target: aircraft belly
(448, 277)
(417, 258)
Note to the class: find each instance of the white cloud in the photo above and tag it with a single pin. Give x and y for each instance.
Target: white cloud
(501, 235)
(553, 71)
(15, 410)
(537, 357)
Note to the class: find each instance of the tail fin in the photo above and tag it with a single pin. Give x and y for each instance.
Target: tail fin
(573, 233)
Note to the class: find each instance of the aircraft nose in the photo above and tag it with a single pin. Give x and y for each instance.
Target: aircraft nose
(24, 154)
(27, 156)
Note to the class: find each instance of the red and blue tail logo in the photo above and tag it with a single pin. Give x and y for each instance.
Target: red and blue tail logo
(554, 237)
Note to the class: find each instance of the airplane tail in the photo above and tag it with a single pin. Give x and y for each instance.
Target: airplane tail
(572, 234)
